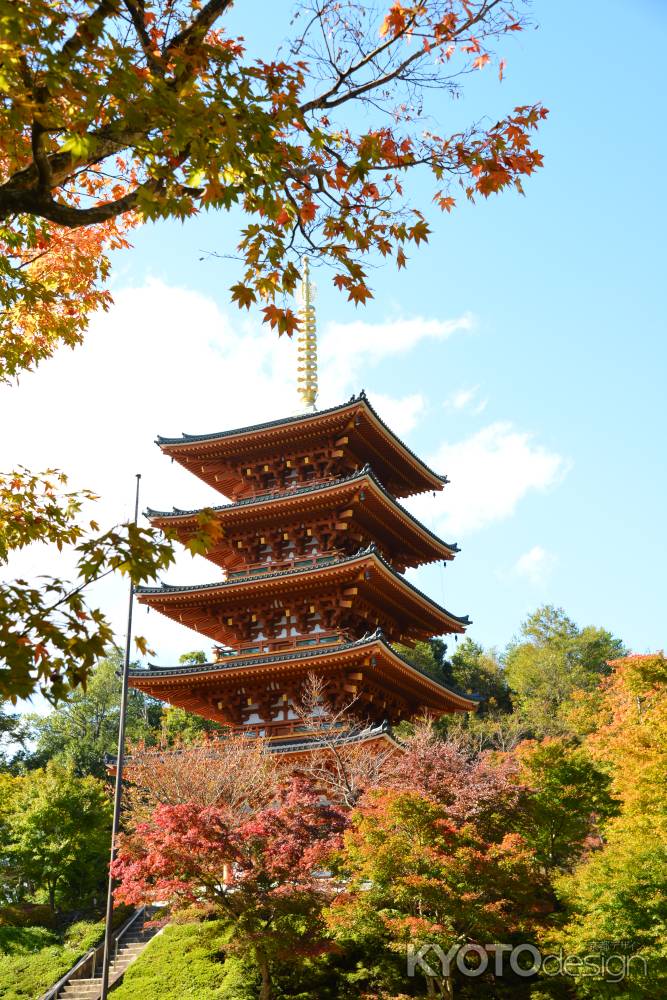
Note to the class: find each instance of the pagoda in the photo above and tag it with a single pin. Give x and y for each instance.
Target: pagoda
(312, 546)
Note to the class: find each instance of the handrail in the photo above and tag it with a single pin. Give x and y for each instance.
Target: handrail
(53, 993)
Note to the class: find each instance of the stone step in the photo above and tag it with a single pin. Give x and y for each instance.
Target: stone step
(129, 949)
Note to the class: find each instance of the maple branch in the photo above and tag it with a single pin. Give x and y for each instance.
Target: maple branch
(41, 157)
(199, 25)
(321, 101)
(136, 12)
(89, 29)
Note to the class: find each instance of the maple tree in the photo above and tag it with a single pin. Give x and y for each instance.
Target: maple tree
(229, 771)
(483, 788)
(50, 636)
(414, 876)
(260, 871)
(118, 111)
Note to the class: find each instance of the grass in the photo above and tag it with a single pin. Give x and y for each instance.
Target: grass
(34, 958)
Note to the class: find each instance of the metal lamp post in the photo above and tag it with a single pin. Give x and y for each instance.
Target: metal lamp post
(118, 791)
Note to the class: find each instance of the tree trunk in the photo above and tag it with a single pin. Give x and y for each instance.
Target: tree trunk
(265, 972)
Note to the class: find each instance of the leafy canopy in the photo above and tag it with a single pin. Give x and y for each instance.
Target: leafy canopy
(551, 661)
(50, 636)
(118, 111)
(258, 870)
(83, 729)
(57, 830)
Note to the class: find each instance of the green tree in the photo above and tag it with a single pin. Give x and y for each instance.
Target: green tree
(616, 902)
(13, 736)
(430, 657)
(58, 830)
(569, 799)
(551, 660)
(476, 671)
(81, 731)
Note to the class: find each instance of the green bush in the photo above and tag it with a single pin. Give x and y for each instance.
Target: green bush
(34, 958)
(187, 962)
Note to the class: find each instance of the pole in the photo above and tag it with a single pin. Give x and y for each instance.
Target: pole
(119, 776)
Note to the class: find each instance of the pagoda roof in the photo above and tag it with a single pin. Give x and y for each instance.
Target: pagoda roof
(404, 472)
(425, 543)
(163, 682)
(421, 615)
(380, 732)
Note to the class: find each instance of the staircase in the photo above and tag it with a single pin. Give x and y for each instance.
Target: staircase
(129, 943)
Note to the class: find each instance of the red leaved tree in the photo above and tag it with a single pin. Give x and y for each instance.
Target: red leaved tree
(483, 789)
(259, 871)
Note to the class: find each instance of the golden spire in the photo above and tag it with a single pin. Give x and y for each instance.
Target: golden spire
(307, 343)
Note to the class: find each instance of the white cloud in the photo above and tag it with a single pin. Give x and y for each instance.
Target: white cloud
(535, 565)
(402, 415)
(490, 472)
(348, 349)
(464, 399)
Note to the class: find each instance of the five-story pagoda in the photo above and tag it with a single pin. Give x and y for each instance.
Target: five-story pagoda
(313, 547)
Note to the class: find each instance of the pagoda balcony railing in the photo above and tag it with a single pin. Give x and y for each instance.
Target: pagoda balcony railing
(268, 647)
(284, 565)
(288, 727)
(297, 484)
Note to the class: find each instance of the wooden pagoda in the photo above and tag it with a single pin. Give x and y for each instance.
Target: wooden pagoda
(313, 545)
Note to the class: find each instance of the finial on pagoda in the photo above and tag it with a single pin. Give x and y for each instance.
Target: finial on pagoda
(307, 343)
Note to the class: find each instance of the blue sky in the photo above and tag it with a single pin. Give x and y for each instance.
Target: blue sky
(523, 347)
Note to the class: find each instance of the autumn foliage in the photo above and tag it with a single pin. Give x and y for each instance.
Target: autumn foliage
(260, 870)
(118, 111)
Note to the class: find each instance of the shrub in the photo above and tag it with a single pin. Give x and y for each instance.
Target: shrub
(34, 958)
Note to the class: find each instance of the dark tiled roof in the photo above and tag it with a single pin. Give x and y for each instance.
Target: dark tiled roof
(299, 418)
(166, 588)
(289, 743)
(365, 471)
(191, 669)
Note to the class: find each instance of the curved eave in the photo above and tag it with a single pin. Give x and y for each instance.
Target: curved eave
(169, 595)
(423, 478)
(235, 666)
(300, 499)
